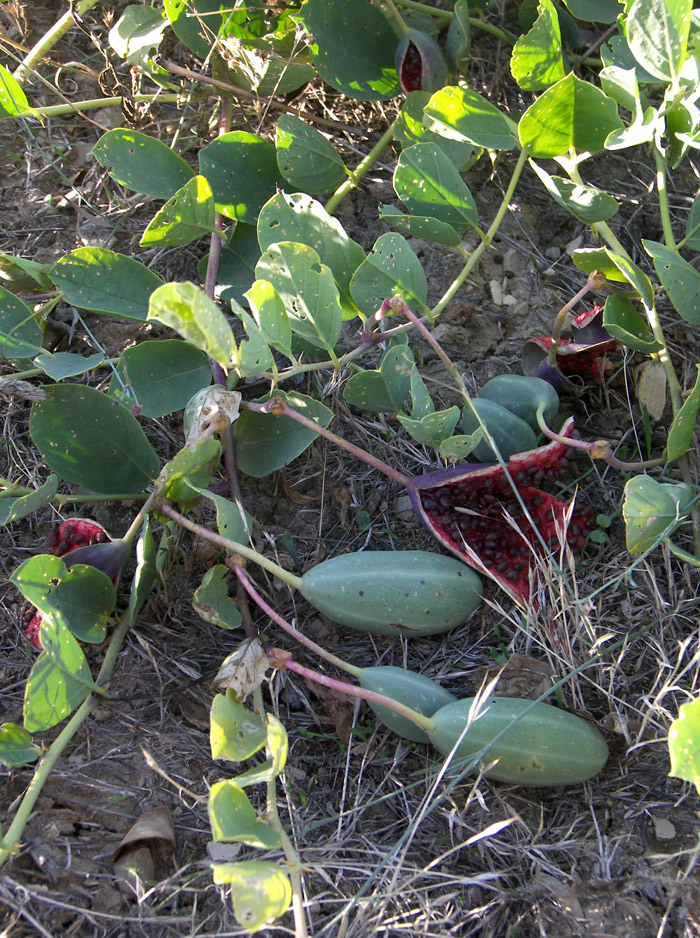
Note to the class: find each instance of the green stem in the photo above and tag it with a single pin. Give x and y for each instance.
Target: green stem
(595, 281)
(487, 239)
(294, 581)
(447, 16)
(88, 499)
(58, 110)
(43, 770)
(360, 170)
(49, 39)
(662, 191)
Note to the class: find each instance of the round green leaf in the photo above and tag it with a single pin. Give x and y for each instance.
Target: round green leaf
(657, 33)
(20, 333)
(62, 365)
(160, 377)
(427, 182)
(353, 47)
(235, 733)
(105, 282)
(212, 602)
(142, 163)
(260, 890)
(16, 746)
(419, 226)
(684, 744)
(242, 171)
(196, 23)
(571, 114)
(88, 439)
(306, 159)
(651, 510)
(586, 203)
(459, 113)
(392, 267)
(233, 818)
(187, 217)
(624, 323)
(59, 681)
(680, 280)
(190, 312)
(536, 61)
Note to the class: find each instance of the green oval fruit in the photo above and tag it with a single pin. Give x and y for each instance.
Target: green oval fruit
(406, 592)
(523, 396)
(511, 434)
(414, 690)
(547, 746)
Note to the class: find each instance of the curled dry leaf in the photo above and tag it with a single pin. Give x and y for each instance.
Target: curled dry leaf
(244, 670)
(146, 847)
(212, 410)
(521, 676)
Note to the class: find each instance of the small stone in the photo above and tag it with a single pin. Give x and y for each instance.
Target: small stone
(552, 253)
(403, 508)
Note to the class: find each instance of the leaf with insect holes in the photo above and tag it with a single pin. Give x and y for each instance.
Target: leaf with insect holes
(105, 282)
(571, 114)
(297, 217)
(383, 390)
(427, 182)
(60, 365)
(235, 733)
(59, 681)
(212, 602)
(188, 216)
(87, 439)
(260, 890)
(159, 377)
(420, 226)
(537, 60)
(80, 598)
(392, 267)
(20, 333)
(242, 171)
(305, 158)
(142, 163)
(652, 510)
(193, 464)
(680, 280)
(190, 312)
(353, 47)
(432, 429)
(409, 129)
(14, 508)
(16, 747)
(233, 818)
(459, 113)
(681, 433)
(684, 743)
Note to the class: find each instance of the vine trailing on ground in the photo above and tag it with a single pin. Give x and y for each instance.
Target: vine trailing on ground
(283, 291)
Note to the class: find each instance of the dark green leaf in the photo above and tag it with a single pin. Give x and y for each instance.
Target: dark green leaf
(59, 681)
(242, 172)
(146, 575)
(429, 229)
(428, 183)
(236, 270)
(305, 157)
(20, 334)
(196, 23)
(624, 323)
(142, 163)
(586, 203)
(459, 38)
(537, 61)
(160, 377)
(391, 268)
(21, 506)
(383, 390)
(680, 280)
(16, 747)
(459, 113)
(62, 365)
(681, 433)
(432, 429)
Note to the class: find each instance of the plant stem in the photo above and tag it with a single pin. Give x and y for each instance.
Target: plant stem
(446, 15)
(486, 240)
(288, 628)
(279, 408)
(362, 168)
(164, 508)
(93, 104)
(50, 38)
(43, 770)
(664, 210)
(595, 281)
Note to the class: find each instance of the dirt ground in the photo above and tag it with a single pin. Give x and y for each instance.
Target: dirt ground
(386, 850)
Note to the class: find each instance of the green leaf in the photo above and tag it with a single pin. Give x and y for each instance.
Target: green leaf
(232, 520)
(146, 573)
(271, 316)
(429, 229)
(242, 171)
(105, 282)
(617, 52)
(680, 280)
(595, 11)
(137, 34)
(657, 34)
(692, 226)
(21, 506)
(590, 259)
(307, 289)
(432, 429)
(236, 270)
(624, 323)
(254, 355)
(260, 890)
(235, 733)
(62, 365)
(353, 47)
(185, 218)
(298, 217)
(233, 818)
(573, 114)
(537, 61)
(305, 158)
(684, 744)
(409, 129)
(59, 681)
(160, 377)
(586, 203)
(212, 602)
(86, 438)
(192, 464)
(16, 746)
(190, 312)
(463, 114)
(277, 743)
(256, 775)
(266, 443)
(22, 274)
(632, 274)
(272, 67)
(142, 163)
(391, 268)
(428, 183)
(80, 599)
(383, 390)
(457, 448)
(459, 38)
(20, 333)
(652, 510)
(681, 433)
(196, 23)
(13, 100)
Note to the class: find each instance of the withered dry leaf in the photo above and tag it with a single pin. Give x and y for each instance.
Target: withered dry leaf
(296, 497)
(521, 676)
(339, 709)
(244, 670)
(146, 847)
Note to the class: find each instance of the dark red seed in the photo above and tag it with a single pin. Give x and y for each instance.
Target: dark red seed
(52, 539)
